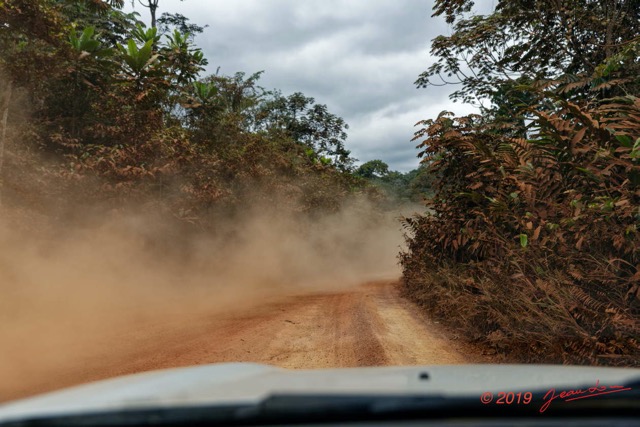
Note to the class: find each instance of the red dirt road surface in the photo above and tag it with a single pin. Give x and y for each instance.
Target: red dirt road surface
(371, 325)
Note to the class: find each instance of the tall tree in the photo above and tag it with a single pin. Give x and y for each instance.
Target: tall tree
(307, 123)
(372, 169)
(152, 5)
(532, 39)
(176, 21)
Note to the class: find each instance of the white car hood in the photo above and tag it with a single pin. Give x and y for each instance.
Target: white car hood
(247, 383)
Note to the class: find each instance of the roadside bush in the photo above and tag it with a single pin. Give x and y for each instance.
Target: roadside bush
(532, 246)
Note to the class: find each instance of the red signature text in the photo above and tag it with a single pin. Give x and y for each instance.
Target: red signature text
(570, 395)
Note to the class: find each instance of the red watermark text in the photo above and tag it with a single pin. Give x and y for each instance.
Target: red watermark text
(569, 395)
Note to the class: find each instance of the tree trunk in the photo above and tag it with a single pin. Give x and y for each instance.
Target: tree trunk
(153, 8)
(3, 133)
(152, 5)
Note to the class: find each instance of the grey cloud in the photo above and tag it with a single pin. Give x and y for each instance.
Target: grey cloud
(386, 134)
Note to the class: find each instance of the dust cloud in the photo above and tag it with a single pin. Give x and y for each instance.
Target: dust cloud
(71, 295)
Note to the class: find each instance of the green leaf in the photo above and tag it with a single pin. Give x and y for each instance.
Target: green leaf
(635, 151)
(87, 34)
(86, 42)
(524, 240)
(73, 39)
(132, 48)
(624, 140)
(145, 35)
(145, 55)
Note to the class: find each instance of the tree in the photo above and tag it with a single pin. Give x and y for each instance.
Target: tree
(176, 21)
(237, 93)
(308, 123)
(535, 40)
(219, 107)
(184, 60)
(373, 168)
(152, 5)
(412, 186)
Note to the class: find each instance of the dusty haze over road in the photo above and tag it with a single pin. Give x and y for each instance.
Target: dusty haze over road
(85, 303)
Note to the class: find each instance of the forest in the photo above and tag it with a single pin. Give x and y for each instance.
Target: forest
(532, 243)
(528, 240)
(111, 100)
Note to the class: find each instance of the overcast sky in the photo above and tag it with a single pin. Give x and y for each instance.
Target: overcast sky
(360, 57)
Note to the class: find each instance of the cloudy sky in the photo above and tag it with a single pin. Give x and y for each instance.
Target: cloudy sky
(360, 57)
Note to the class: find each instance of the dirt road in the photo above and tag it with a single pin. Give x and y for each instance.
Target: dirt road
(371, 325)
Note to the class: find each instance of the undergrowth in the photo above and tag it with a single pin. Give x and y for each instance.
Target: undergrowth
(532, 244)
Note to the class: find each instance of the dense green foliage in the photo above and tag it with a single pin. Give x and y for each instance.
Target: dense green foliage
(532, 246)
(412, 187)
(123, 107)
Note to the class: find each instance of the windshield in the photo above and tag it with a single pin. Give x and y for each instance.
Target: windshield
(188, 183)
